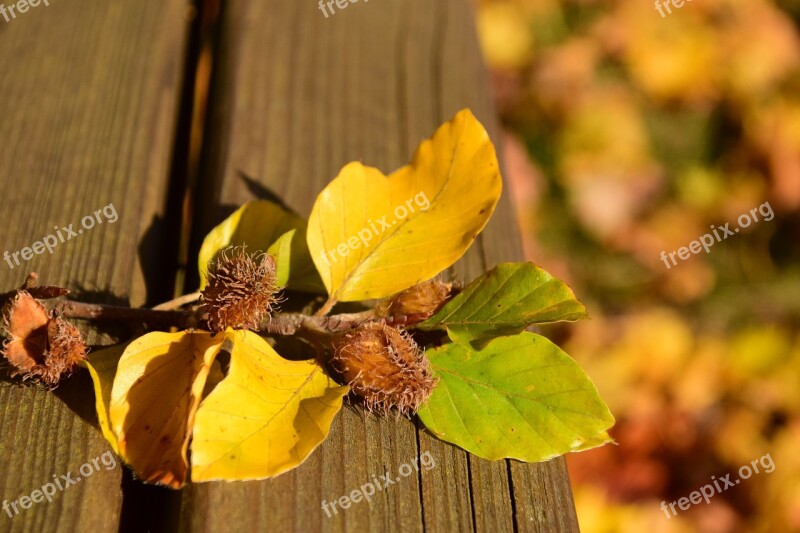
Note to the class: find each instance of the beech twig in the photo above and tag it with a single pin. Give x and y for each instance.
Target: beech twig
(179, 319)
(279, 324)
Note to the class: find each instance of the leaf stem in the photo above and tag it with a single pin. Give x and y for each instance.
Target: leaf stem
(179, 302)
(325, 309)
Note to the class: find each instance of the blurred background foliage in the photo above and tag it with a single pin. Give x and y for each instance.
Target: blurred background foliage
(627, 134)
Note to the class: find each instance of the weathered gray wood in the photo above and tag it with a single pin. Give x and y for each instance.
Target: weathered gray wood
(88, 101)
(296, 96)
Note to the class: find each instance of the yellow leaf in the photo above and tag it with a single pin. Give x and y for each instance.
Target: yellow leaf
(266, 417)
(281, 251)
(158, 386)
(371, 236)
(259, 224)
(102, 366)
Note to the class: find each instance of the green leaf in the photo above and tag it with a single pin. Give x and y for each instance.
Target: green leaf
(259, 225)
(519, 397)
(504, 301)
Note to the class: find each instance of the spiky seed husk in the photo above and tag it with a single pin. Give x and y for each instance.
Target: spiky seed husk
(417, 302)
(40, 346)
(384, 366)
(241, 290)
(66, 349)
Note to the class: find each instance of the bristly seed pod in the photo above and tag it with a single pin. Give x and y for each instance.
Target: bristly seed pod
(40, 346)
(418, 302)
(241, 290)
(385, 367)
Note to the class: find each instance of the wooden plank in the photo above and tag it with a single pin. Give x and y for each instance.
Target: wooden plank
(87, 117)
(296, 96)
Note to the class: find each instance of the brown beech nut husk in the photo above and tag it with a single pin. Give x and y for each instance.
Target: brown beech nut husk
(417, 302)
(384, 366)
(241, 290)
(39, 345)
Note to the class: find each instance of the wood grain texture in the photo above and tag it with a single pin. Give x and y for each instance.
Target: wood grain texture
(87, 116)
(295, 96)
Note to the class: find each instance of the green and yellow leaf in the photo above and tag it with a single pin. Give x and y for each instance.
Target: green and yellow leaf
(504, 301)
(519, 397)
(265, 417)
(372, 236)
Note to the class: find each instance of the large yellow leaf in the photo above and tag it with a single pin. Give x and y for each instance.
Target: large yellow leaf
(159, 384)
(265, 417)
(371, 236)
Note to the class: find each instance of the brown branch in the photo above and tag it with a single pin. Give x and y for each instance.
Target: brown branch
(178, 319)
(318, 328)
(294, 323)
(279, 324)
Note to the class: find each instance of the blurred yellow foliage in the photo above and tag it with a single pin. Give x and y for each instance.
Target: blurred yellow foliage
(505, 37)
(645, 132)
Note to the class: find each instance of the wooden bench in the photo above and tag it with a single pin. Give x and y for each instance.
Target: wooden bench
(100, 105)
